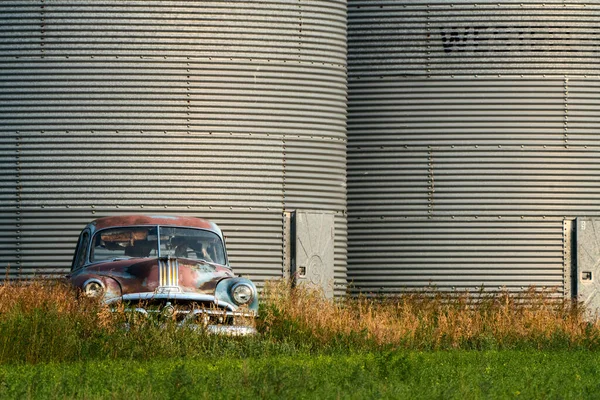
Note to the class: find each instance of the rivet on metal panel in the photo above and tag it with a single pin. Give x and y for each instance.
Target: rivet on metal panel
(142, 206)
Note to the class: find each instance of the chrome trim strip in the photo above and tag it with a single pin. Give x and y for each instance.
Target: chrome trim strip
(168, 273)
(172, 296)
(230, 330)
(196, 312)
(94, 280)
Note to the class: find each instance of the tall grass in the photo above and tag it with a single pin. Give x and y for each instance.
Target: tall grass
(530, 319)
(49, 321)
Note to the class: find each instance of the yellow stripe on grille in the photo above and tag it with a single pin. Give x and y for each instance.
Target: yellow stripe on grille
(168, 273)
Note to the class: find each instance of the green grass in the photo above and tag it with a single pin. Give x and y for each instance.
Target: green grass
(396, 375)
(55, 343)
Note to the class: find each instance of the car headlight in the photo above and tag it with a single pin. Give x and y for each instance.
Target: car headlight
(242, 293)
(93, 289)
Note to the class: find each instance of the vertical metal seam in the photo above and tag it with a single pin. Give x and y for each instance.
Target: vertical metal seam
(566, 258)
(428, 41)
(42, 27)
(300, 39)
(566, 112)
(283, 202)
(19, 190)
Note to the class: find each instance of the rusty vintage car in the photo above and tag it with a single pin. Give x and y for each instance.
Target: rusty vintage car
(165, 266)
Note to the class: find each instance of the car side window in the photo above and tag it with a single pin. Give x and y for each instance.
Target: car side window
(84, 241)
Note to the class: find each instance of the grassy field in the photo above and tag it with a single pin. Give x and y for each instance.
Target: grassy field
(456, 374)
(56, 344)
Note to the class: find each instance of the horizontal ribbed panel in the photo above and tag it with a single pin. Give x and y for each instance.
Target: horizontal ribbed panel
(395, 255)
(284, 30)
(472, 37)
(451, 111)
(472, 134)
(169, 107)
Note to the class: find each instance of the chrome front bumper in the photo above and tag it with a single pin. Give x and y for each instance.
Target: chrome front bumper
(211, 320)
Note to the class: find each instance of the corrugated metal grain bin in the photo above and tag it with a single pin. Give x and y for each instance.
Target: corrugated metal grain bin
(473, 141)
(233, 111)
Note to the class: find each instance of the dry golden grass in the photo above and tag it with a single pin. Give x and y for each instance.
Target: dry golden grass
(434, 321)
(43, 321)
(26, 296)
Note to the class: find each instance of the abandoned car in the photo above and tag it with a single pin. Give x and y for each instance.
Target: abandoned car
(173, 267)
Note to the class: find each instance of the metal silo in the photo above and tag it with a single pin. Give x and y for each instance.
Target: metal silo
(473, 141)
(234, 111)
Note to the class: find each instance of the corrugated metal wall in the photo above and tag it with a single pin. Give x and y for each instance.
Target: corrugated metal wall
(473, 133)
(234, 111)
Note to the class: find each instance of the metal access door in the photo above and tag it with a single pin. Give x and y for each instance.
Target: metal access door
(314, 249)
(588, 262)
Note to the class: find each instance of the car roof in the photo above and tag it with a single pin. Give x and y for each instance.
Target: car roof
(164, 220)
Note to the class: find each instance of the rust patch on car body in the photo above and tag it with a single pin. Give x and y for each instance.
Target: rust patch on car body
(141, 220)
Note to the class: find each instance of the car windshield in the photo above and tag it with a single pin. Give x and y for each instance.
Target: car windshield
(145, 241)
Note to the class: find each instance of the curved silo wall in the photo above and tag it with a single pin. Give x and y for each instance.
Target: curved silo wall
(204, 108)
(473, 141)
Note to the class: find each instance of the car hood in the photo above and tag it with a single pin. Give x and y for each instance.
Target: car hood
(143, 275)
